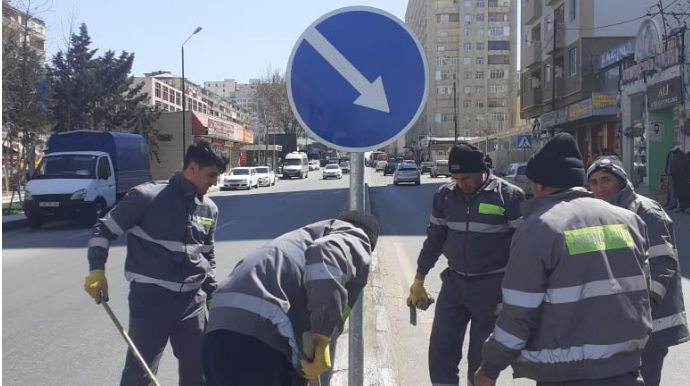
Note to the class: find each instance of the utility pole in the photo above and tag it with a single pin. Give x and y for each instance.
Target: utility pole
(455, 113)
(553, 69)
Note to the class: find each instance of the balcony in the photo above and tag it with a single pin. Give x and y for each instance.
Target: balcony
(531, 9)
(531, 97)
(532, 54)
(560, 40)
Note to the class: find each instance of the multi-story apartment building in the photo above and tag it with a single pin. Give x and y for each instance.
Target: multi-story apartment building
(14, 22)
(472, 55)
(561, 87)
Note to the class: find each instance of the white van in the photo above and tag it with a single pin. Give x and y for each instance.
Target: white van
(296, 164)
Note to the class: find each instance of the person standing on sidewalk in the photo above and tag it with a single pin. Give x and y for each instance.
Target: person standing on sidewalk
(609, 181)
(170, 264)
(472, 222)
(576, 293)
(297, 287)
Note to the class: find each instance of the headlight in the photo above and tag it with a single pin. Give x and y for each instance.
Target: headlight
(28, 196)
(78, 195)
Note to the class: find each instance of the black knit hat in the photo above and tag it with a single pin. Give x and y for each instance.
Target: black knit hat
(365, 221)
(611, 164)
(465, 158)
(558, 164)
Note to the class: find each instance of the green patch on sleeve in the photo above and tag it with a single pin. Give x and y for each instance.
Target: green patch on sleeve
(491, 209)
(346, 312)
(204, 220)
(599, 238)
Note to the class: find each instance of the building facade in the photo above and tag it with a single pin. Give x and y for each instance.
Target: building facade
(471, 48)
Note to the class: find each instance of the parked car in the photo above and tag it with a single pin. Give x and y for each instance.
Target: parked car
(515, 174)
(440, 168)
(345, 166)
(265, 175)
(332, 171)
(380, 165)
(426, 167)
(407, 172)
(390, 167)
(314, 165)
(241, 177)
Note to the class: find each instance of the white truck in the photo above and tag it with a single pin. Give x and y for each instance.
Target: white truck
(296, 164)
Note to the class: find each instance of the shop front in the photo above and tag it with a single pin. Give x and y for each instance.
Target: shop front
(225, 137)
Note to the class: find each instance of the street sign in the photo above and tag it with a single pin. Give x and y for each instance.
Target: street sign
(524, 141)
(357, 79)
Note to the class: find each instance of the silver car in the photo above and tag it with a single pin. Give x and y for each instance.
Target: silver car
(407, 172)
(515, 174)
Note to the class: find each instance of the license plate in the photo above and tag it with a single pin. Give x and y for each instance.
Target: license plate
(49, 204)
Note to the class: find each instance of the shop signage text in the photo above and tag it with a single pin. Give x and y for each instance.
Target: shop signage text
(663, 94)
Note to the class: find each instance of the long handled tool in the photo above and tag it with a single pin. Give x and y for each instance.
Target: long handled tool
(308, 351)
(131, 345)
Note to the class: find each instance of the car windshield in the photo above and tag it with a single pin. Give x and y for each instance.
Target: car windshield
(262, 170)
(522, 170)
(407, 167)
(67, 166)
(332, 166)
(293, 162)
(344, 165)
(240, 172)
(441, 162)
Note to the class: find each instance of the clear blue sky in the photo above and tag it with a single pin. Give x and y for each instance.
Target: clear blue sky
(239, 40)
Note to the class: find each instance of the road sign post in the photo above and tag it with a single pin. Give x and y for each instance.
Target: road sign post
(357, 80)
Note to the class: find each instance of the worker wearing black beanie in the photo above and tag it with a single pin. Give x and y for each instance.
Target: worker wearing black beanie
(558, 164)
(465, 158)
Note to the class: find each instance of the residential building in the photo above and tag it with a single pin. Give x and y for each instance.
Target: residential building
(471, 49)
(14, 21)
(562, 43)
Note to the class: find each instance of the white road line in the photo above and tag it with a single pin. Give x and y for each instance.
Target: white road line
(404, 260)
(226, 224)
(78, 235)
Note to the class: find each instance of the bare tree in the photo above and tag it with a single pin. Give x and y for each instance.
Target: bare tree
(273, 107)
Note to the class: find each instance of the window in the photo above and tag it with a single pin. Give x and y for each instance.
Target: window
(448, 117)
(572, 9)
(494, 104)
(466, 104)
(497, 117)
(467, 46)
(480, 89)
(480, 46)
(503, 45)
(467, 118)
(547, 72)
(449, 75)
(467, 75)
(178, 100)
(467, 61)
(480, 17)
(498, 88)
(466, 90)
(467, 32)
(165, 94)
(467, 3)
(437, 118)
(497, 74)
(499, 59)
(443, 18)
(479, 104)
(497, 31)
(446, 60)
(442, 34)
(572, 61)
(480, 32)
(479, 75)
(480, 3)
(440, 49)
(479, 118)
(158, 90)
(468, 18)
(479, 60)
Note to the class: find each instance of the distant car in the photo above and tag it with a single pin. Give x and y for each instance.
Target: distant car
(345, 166)
(426, 167)
(314, 165)
(515, 174)
(380, 165)
(407, 172)
(265, 175)
(440, 168)
(390, 167)
(332, 171)
(241, 177)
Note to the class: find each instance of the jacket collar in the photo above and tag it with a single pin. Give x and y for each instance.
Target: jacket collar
(624, 198)
(185, 188)
(530, 206)
(489, 185)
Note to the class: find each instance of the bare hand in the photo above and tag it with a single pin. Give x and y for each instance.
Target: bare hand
(480, 379)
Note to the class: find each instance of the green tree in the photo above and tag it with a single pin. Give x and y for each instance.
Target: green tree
(98, 93)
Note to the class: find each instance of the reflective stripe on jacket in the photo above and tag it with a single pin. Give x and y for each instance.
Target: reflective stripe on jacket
(670, 325)
(170, 236)
(575, 292)
(304, 281)
(473, 233)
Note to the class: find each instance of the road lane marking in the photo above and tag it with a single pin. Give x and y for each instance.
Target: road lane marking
(404, 260)
(78, 235)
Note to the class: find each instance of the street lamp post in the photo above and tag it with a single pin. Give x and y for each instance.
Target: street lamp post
(184, 99)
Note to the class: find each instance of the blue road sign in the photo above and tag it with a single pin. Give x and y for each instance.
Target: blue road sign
(524, 141)
(357, 79)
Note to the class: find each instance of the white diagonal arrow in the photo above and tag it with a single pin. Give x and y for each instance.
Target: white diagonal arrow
(372, 95)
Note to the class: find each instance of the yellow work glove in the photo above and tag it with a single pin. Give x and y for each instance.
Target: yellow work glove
(418, 296)
(322, 358)
(96, 283)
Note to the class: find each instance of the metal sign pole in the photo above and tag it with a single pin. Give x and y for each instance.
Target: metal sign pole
(355, 375)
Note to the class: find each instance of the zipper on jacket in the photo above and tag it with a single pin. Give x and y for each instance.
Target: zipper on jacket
(467, 230)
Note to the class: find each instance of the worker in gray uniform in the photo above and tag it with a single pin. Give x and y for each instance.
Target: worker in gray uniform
(297, 288)
(472, 222)
(170, 264)
(609, 181)
(575, 294)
